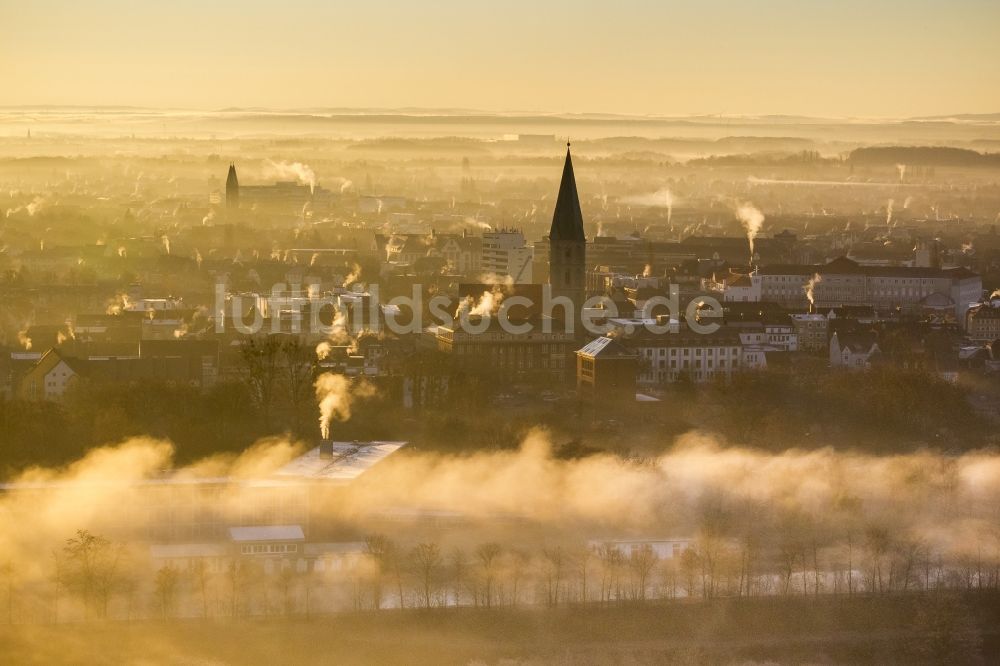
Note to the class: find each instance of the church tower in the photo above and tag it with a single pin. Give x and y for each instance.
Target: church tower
(232, 188)
(568, 245)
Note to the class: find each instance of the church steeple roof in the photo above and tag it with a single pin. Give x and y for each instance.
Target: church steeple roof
(231, 176)
(567, 219)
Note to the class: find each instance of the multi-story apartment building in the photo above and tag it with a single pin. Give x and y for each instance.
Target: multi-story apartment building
(667, 357)
(507, 256)
(812, 331)
(545, 352)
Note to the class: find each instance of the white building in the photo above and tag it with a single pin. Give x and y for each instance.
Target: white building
(845, 282)
(507, 256)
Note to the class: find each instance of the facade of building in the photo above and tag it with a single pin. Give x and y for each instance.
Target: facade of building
(741, 289)
(50, 377)
(983, 322)
(536, 354)
(605, 371)
(507, 257)
(853, 351)
(812, 331)
(845, 282)
(668, 357)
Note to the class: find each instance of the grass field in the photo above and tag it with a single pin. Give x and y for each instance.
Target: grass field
(902, 630)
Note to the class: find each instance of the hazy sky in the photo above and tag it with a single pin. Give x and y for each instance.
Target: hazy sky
(841, 57)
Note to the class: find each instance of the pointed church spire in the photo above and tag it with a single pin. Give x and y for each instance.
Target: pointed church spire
(567, 219)
(232, 188)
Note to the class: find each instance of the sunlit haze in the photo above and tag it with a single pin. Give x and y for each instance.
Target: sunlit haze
(456, 333)
(852, 58)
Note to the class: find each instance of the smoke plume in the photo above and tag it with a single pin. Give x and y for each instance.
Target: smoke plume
(810, 288)
(297, 171)
(752, 219)
(336, 394)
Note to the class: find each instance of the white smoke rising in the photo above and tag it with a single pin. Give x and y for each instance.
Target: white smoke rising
(752, 220)
(478, 224)
(336, 395)
(297, 171)
(31, 208)
(888, 212)
(662, 198)
(495, 279)
(902, 172)
(810, 288)
(486, 305)
(353, 276)
(23, 339)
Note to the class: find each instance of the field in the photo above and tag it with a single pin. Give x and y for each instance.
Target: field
(878, 630)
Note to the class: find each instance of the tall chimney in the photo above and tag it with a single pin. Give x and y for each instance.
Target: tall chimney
(326, 449)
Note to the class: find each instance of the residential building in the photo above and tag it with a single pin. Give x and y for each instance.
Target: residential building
(983, 321)
(506, 256)
(606, 371)
(811, 330)
(853, 350)
(483, 344)
(50, 377)
(667, 357)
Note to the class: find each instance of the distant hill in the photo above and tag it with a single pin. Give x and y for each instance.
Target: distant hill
(923, 156)
(964, 117)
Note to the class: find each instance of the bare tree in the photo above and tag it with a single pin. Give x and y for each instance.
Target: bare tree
(554, 564)
(379, 548)
(165, 589)
(487, 555)
(877, 542)
(237, 574)
(610, 557)
(200, 576)
(459, 573)
(90, 570)
(427, 559)
(299, 367)
(583, 566)
(518, 561)
(260, 362)
(689, 565)
(641, 562)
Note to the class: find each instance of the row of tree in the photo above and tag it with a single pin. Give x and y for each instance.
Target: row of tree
(95, 578)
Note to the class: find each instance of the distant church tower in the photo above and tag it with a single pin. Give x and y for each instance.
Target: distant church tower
(568, 245)
(232, 188)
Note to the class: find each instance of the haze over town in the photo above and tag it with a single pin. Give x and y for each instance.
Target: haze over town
(569, 333)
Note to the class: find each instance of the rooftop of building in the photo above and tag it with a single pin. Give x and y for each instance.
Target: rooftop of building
(845, 266)
(605, 347)
(339, 461)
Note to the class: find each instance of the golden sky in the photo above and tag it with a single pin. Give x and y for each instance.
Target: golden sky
(838, 58)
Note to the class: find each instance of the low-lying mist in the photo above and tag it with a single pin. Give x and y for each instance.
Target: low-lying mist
(948, 503)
